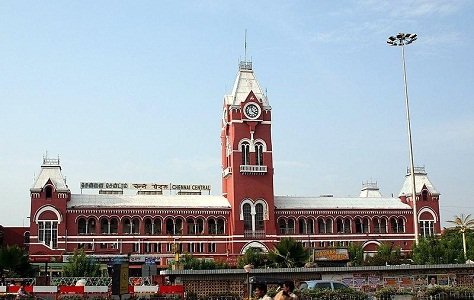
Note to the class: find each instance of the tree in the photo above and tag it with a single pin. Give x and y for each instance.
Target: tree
(81, 266)
(253, 256)
(288, 253)
(387, 254)
(462, 224)
(14, 262)
(356, 254)
(442, 249)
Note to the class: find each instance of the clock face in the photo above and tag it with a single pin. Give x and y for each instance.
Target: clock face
(252, 111)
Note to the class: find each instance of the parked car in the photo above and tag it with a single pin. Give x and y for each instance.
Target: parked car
(322, 284)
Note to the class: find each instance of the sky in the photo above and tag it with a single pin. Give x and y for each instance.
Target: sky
(132, 91)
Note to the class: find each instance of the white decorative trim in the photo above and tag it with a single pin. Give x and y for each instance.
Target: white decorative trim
(430, 211)
(47, 208)
(254, 244)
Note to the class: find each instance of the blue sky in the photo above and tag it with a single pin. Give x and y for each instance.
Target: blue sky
(133, 91)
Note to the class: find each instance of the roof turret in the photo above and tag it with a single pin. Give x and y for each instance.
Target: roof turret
(243, 85)
(421, 180)
(370, 190)
(50, 171)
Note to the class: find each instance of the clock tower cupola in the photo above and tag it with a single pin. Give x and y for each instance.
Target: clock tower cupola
(247, 163)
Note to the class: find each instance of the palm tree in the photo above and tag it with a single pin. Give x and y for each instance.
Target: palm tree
(288, 253)
(463, 223)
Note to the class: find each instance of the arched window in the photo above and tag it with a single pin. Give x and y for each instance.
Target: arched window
(245, 153)
(394, 225)
(259, 153)
(200, 226)
(329, 226)
(347, 225)
(211, 226)
(178, 227)
(91, 226)
(401, 225)
(247, 216)
(343, 225)
(169, 226)
(302, 226)
(282, 226)
(220, 226)
(365, 225)
(48, 190)
(126, 226)
(358, 225)
(48, 233)
(310, 226)
(191, 226)
(321, 226)
(148, 226)
(81, 226)
(114, 225)
(426, 222)
(291, 226)
(104, 226)
(424, 195)
(380, 225)
(157, 226)
(135, 225)
(259, 224)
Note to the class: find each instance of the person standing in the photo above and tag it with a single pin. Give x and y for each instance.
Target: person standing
(261, 292)
(286, 292)
(22, 293)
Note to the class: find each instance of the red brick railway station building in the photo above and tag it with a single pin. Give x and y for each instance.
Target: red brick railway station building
(153, 221)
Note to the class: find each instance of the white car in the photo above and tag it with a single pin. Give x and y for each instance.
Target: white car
(322, 284)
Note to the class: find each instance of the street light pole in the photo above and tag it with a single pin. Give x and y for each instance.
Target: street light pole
(248, 268)
(401, 40)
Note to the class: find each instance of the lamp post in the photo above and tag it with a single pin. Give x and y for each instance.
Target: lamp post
(401, 40)
(247, 269)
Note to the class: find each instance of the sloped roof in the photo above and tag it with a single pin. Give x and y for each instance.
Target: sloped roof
(244, 83)
(148, 201)
(286, 202)
(53, 172)
(421, 179)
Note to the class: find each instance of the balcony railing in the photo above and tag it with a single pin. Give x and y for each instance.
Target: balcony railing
(253, 169)
(254, 234)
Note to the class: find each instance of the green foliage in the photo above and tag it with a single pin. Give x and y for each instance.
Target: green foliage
(14, 262)
(356, 254)
(390, 290)
(189, 262)
(444, 249)
(81, 266)
(253, 256)
(326, 294)
(387, 254)
(288, 253)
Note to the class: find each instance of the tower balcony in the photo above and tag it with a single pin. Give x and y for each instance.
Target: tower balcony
(253, 170)
(226, 172)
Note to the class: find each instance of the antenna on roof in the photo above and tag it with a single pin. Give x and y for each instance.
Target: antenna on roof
(245, 46)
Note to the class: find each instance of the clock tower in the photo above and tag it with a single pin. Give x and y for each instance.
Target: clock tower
(247, 163)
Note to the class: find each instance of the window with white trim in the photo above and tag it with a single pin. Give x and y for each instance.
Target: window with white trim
(48, 233)
(245, 153)
(259, 153)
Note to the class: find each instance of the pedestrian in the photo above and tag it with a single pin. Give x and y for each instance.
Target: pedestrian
(286, 291)
(22, 293)
(261, 292)
(433, 282)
